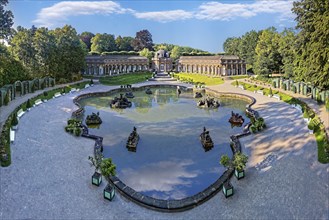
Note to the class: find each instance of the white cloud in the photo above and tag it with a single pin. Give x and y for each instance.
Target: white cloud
(224, 12)
(60, 12)
(227, 11)
(165, 16)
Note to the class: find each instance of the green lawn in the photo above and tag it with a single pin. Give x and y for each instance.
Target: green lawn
(130, 78)
(198, 79)
(319, 133)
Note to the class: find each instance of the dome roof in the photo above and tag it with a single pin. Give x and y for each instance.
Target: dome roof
(162, 53)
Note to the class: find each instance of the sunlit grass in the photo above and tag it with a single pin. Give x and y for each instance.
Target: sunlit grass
(199, 79)
(125, 79)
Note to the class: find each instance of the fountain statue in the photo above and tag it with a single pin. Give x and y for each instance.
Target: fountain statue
(208, 102)
(93, 119)
(206, 140)
(198, 95)
(133, 140)
(121, 102)
(236, 119)
(148, 91)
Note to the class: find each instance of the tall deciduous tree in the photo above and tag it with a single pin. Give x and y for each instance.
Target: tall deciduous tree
(312, 53)
(143, 40)
(146, 53)
(287, 52)
(268, 59)
(86, 38)
(247, 47)
(70, 54)
(6, 20)
(44, 45)
(11, 70)
(232, 46)
(23, 49)
(124, 43)
(103, 43)
(176, 52)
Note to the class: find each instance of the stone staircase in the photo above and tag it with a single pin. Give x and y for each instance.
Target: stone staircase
(162, 77)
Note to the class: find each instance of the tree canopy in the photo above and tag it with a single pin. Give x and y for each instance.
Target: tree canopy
(312, 46)
(103, 43)
(6, 20)
(143, 40)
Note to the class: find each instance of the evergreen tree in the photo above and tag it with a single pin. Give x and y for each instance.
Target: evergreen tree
(311, 63)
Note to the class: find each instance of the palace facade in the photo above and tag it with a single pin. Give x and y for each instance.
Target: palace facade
(219, 65)
(115, 64)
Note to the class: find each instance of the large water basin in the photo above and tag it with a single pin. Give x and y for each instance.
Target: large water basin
(170, 162)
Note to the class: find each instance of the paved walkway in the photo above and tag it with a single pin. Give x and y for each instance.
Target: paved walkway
(320, 110)
(50, 175)
(5, 111)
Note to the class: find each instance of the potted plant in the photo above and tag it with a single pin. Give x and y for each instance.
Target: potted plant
(108, 168)
(96, 178)
(238, 163)
(327, 104)
(236, 83)
(14, 121)
(28, 105)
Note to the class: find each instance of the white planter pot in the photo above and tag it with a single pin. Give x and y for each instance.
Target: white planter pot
(14, 127)
(310, 131)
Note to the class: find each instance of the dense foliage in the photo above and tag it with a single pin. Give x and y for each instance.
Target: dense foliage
(301, 54)
(142, 40)
(6, 20)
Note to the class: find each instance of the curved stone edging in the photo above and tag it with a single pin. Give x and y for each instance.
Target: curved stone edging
(170, 205)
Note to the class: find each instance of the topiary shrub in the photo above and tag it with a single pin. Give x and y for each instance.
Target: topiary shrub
(305, 114)
(327, 104)
(14, 121)
(311, 125)
(6, 101)
(270, 92)
(45, 93)
(28, 104)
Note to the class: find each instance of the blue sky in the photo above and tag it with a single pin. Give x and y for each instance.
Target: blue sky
(199, 24)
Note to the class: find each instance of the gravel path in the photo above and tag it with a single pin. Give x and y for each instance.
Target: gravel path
(50, 177)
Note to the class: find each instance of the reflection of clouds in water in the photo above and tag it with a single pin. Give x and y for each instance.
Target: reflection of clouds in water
(218, 169)
(177, 194)
(161, 176)
(174, 128)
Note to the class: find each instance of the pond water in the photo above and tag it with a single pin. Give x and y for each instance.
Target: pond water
(170, 162)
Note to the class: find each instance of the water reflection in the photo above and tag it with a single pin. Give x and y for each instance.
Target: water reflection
(170, 161)
(163, 176)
